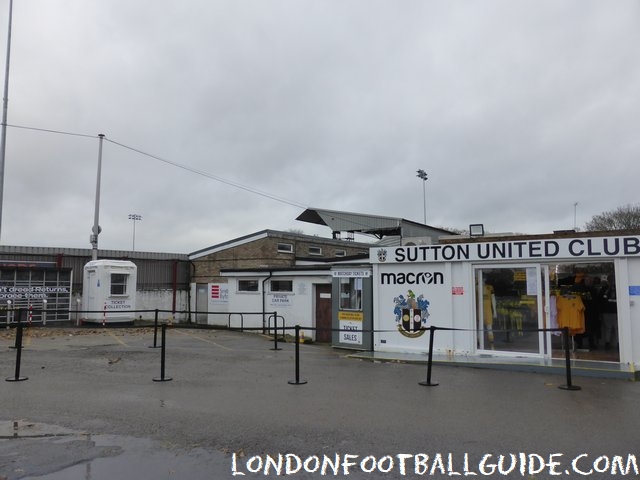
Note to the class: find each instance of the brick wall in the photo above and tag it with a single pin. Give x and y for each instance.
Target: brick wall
(263, 253)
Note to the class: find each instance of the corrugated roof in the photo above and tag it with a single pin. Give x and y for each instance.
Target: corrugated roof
(86, 252)
(377, 225)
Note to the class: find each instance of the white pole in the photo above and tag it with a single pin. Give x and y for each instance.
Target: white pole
(96, 214)
(424, 199)
(5, 106)
(135, 217)
(422, 175)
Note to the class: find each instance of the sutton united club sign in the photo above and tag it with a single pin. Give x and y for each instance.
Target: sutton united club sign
(567, 248)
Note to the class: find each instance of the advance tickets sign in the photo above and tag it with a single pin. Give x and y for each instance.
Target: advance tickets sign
(563, 248)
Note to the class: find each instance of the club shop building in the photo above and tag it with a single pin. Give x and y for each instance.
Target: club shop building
(503, 298)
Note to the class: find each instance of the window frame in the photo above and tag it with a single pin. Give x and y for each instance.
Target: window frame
(283, 282)
(351, 291)
(123, 283)
(283, 247)
(252, 281)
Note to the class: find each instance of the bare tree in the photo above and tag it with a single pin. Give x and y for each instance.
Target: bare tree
(622, 218)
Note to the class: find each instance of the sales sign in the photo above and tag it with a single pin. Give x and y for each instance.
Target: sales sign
(351, 327)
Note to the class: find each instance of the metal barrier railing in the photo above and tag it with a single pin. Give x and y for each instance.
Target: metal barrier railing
(275, 317)
(19, 326)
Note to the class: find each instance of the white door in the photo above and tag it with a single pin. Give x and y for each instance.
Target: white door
(202, 303)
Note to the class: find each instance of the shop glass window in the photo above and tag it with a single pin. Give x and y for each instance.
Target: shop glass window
(282, 286)
(248, 285)
(583, 298)
(119, 283)
(351, 294)
(507, 309)
(285, 248)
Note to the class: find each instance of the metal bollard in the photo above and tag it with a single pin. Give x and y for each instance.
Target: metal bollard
(162, 378)
(567, 357)
(429, 383)
(9, 313)
(155, 331)
(17, 377)
(18, 339)
(275, 332)
(297, 381)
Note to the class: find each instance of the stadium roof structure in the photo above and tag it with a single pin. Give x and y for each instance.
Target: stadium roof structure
(376, 225)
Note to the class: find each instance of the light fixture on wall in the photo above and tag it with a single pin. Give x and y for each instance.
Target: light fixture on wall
(476, 230)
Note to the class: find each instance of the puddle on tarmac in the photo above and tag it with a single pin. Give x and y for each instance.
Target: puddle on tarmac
(47, 452)
(142, 460)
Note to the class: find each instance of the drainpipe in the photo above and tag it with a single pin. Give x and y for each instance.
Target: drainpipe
(175, 287)
(191, 280)
(264, 303)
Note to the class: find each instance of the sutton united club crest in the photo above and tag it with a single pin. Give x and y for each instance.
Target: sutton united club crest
(411, 314)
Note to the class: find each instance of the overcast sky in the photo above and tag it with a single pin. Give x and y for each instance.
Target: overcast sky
(517, 110)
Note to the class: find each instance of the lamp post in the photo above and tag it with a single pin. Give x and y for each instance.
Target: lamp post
(95, 231)
(575, 215)
(135, 217)
(423, 175)
(5, 101)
